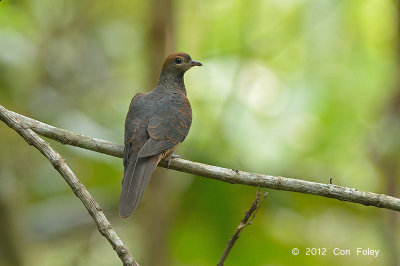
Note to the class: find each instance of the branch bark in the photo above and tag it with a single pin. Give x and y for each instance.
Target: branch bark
(218, 173)
(94, 209)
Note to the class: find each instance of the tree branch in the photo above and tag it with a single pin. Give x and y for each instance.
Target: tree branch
(223, 174)
(78, 188)
(247, 220)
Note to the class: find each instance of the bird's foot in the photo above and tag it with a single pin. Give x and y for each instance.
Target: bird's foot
(173, 156)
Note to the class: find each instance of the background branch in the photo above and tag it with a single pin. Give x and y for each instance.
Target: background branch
(78, 188)
(247, 220)
(218, 173)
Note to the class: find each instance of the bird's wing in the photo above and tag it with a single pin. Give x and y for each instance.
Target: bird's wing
(169, 124)
(170, 128)
(134, 138)
(137, 172)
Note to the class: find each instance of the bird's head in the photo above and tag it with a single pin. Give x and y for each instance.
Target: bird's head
(179, 63)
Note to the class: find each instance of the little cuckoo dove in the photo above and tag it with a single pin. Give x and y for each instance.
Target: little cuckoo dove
(155, 124)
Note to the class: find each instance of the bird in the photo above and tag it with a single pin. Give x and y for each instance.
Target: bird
(156, 123)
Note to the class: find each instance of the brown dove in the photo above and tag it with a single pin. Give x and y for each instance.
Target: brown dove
(155, 124)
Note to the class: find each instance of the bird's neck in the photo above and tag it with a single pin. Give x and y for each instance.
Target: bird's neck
(171, 81)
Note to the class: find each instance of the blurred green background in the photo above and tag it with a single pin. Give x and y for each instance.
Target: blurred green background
(306, 89)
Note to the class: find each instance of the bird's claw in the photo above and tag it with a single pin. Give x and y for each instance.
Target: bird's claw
(173, 156)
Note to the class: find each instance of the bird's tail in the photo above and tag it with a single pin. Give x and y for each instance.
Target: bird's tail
(136, 178)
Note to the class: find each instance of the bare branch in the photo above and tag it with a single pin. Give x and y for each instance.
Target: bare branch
(223, 174)
(69, 137)
(247, 220)
(78, 188)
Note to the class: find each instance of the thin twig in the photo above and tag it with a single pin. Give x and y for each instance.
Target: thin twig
(223, 174)
(247, 220)
(78, 188)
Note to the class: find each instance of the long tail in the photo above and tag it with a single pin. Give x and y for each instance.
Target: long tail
(136, 178)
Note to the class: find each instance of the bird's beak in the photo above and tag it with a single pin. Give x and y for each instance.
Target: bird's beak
(195, 63)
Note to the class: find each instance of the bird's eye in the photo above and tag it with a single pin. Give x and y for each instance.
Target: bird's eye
(178, 60)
